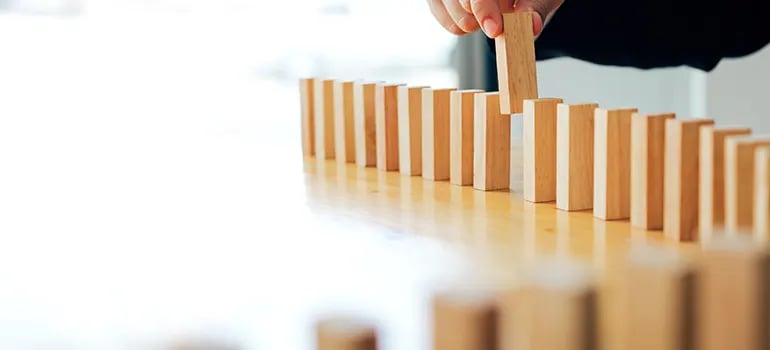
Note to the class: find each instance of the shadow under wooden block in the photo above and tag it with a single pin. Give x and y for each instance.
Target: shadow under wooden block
(575, 156)
(386, 110)
(492, 144)
(516, 182)
(516, 69)
(612, 163)
(365, 125)
(324, 118)
(435, 134)
(344, 119)
(648, 141)
(464, 320)
(539, 149)
(711, 192)
(732, 298)
(739, 181)
(345, 334)
(410, 130)
(461, 137)
(307, 106)
(680, 185)
(762, 194)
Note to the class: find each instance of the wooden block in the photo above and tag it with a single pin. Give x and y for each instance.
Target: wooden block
(762, 194)
(648, 139)
(435, 134)
(539, 149)
(307, 106)
(461, 137)
(345, 334)
(410, 130)
(732, 298)
(711, 192)
(344, 139)
(324, 118)
(464, 320)
(658, 298)
(386, 107)
(575, 156)
(365, 125)
(492, 144)
(514, 310)
(680, 184)
(516, 69)
(739, 181)
(612, 163)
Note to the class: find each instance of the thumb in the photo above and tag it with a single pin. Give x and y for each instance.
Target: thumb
(542, 10)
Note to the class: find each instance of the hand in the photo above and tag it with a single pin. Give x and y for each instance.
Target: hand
(466, 16)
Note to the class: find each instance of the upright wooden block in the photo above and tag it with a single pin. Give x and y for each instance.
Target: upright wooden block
(732, 299)
(739, 181)
(762, 194)
(658, 298)
(539, 149)
(307, 106)
(711, 202)
(680, 185)
(345, 334)
(612, 163)
(410, 130)
(386, 106)
(461, 137)
(344, 133)
(516, 69)
(365, 124)
(575, 156)
(492, 144)
(463, 321)
(435, 134)
(324, 118)
(648, 141)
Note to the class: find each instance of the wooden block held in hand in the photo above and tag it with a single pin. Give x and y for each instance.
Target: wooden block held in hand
(575, 156)
(516, 68)
(680, 185)
(612, 163)
(463, 321)
(648, 141)
(461, 137)
(732, 298)
(307, 107)
(365, 125)
(344, 139)
(539, 149)
(711, 193)
(492, 144)
(739, 181)
(410, 130)
(324, 118)
(762, 194)
(435, 134)
(386, 116)
(345, 334)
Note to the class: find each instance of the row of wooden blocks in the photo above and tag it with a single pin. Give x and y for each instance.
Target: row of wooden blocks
(717, 302)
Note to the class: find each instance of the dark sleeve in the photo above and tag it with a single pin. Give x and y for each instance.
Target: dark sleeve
(655, 33)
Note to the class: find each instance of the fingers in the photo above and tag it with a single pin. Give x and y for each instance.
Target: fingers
(541, 9)
(464, 19)
(443, 17)
(487, 13)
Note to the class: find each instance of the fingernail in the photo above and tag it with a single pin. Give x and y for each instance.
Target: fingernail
(490, 27)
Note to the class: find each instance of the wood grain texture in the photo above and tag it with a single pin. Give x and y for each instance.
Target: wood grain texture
(307, 108)
(680, 185)
(365, 124)
(612, 163)
(464, 320)
(739, 181)
(461, 137)
(386, 109)
(344, 139)
(516, 69)
(435, 134)
(539, 149)
(492, 144)
(324, 118)
(648, 141)
(575, 156)
(410, 130)
(762, 194)
(345, 334)
(711, 200)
